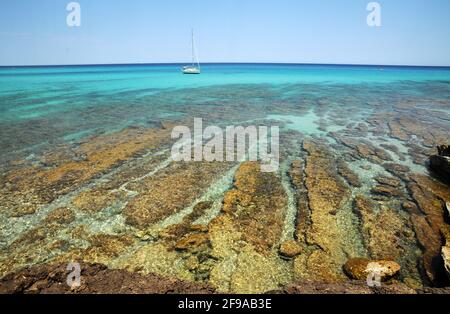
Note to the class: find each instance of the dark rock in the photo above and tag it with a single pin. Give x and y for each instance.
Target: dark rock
(95, 278)
(440, 163)
(444, 150)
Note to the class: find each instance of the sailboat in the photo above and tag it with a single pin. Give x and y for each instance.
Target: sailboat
(195, 67)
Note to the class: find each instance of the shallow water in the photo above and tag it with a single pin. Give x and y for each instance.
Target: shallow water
(363, 117)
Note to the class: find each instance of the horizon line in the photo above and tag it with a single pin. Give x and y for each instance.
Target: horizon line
(224, 63)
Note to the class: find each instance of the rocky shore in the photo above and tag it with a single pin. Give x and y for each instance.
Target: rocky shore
(98, 279)
(350, 199)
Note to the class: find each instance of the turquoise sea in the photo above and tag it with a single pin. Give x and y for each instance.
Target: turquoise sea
(40, 106)
(354, 178)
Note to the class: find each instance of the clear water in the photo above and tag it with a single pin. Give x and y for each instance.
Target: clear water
(48, 104)
(41, 107)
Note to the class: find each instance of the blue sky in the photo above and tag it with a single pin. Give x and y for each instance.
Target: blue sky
(414, 32)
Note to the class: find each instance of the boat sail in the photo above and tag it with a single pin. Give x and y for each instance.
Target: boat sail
(195, 67)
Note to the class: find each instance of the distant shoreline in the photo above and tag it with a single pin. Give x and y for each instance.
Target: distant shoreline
(230, 63)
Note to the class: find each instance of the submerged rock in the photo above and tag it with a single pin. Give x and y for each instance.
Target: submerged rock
(257, 204)
(326, 194)
(290, 249)
(385, 190)
(60, 216)
(95, 278)
(170, 191)
(391, 181)
(350, 176)
(192, 241)
(383, 231)
(361, 268)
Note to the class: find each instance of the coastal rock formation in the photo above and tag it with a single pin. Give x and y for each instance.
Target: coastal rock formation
(361, 268)
(430, 226)
(387, 234)
(174, 189)
(327, 193)
(390, 181)
(101, 153)
(296, 175)
(344, 190)
(362, 149)
(192, 242)
(351, 177)
(385, 190)
(440, 163)
(244, 237)
(257, 204)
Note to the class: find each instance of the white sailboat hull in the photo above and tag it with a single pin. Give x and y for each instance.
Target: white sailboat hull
(190, 70)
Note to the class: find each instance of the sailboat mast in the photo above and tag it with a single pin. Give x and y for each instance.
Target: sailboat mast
(193, 49)
(194, 56)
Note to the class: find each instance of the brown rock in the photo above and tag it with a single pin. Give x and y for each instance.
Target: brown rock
(351, 177)
(327, 193)
(410, 207)
(382, 230)
(391, 181)
(95, 279)
(396, 168)
(290, 249)
(161, 196)
(430, 241)
(23, 210)
(192, 241)
(60, 216)
(94, 200)
(257, 204)
(199, 228)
